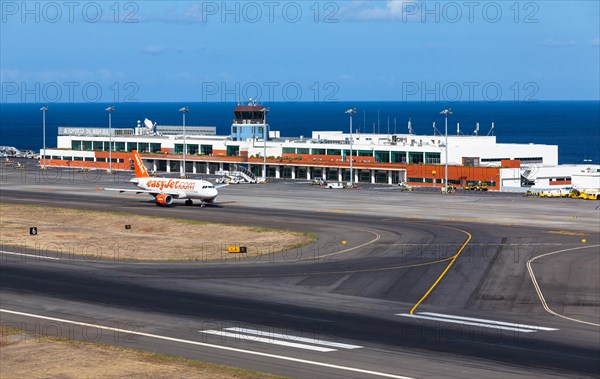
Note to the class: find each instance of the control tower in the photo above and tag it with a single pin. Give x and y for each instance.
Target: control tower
(250, 121)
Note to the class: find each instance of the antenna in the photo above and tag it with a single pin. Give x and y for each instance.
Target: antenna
(388, 124)
(410, 131)
(491, 132)
(476, 129)
(435, 130)
(364, 120)
(458, 128)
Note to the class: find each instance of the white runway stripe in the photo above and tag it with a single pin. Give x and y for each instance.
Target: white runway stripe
(29, 255)
(488, 321)
(266, 340)
(293, 338)
(213, 346)
(491, 326)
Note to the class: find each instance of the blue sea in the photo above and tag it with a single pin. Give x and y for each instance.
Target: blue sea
(572, 125)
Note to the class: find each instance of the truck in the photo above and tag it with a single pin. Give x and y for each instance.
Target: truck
(318, 181)
(404, 186)
(334, 185)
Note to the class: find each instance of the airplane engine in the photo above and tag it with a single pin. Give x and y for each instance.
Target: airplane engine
(164, 199)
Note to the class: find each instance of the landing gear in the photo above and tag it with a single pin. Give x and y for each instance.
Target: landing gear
(189, 202)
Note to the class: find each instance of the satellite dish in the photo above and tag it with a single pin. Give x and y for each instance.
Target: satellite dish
(148, 124)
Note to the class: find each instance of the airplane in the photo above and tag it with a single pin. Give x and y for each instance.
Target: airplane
(165, 190)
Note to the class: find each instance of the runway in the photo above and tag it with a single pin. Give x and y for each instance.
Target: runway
(329, 309)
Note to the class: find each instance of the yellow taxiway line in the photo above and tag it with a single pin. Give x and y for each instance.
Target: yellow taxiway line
(454, 257)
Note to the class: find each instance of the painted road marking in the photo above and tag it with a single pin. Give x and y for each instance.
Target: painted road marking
(240, 336)
(209, 345)
(454, 257)
(294, 338)
(566, 233)
(487, 324)
(29, 255)
(336, 210)
(539, 290)
(489, 321)
(270, 340)
(377, 237)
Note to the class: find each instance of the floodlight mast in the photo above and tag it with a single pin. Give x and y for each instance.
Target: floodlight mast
(446, 113)
(110, 110)
(183, 111)
(264, 175)
(44, 109)
(351, 112)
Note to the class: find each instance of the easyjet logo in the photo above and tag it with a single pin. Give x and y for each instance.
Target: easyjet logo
(171, 184)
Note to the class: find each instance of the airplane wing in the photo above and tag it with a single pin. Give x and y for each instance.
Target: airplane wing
(175, 194)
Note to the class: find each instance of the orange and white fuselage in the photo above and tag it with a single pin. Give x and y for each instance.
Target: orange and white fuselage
(165, 190)
(177, 188)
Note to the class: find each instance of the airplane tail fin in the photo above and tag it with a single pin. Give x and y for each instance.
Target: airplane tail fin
(140, 169)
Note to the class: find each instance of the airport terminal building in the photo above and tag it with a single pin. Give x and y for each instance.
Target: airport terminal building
(418, 160)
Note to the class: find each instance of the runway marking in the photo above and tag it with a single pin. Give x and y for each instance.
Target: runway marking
(454, 257)
(279, 339)
(539, 290)
(567, 233)
(336, 211)
(464, 219)
(29, 255)
(294, 338)
(377, 237)
(489, 321)
(239, 336)
(477, 322)
(220, 347)
(381, 268)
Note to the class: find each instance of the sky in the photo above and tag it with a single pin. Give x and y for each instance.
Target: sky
(215, 51)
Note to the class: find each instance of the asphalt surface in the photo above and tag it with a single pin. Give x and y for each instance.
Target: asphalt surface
(281, 313)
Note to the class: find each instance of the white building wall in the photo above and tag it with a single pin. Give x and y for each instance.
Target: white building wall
(586, 181)
(510, 178)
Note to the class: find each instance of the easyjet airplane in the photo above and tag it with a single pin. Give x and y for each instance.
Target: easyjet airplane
(165, 190)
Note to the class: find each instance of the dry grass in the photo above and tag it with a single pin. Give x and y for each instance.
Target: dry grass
(28, 357)
(103, 234)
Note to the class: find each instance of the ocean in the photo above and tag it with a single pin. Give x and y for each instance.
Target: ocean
(572, 125)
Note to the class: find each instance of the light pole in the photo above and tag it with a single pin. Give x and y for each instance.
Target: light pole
(110, 110)
(44, 109)
(351, 112)
(183, 111)
(264, 176)
(446, 113)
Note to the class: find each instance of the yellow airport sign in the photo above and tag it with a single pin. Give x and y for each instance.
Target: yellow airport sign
(236, 249)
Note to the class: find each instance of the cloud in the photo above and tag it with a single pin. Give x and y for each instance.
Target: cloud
(153, 50)
(160, 50)
(560, 43)
(198, 14)
(47, 76)
(403, 10)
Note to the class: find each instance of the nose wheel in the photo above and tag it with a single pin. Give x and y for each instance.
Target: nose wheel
(189, 202)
